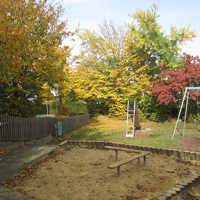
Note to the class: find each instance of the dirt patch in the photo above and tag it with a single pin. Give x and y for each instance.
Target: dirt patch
(143, 133)
(191, 143)
(82, 174)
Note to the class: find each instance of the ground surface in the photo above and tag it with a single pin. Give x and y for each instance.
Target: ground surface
(7, 194)
(6, 147)
(16, 158)
(190, 143)
(82, 174)
(191, 194)
(153, 134)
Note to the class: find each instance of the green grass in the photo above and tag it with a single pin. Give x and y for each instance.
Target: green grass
(153, 140)
(158, 134)
(75, 107)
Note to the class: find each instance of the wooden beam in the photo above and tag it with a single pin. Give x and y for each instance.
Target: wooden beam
(123, 149)
(125, 161)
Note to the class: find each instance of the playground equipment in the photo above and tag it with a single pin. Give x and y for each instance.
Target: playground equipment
(119, 163)
(185, 98)
(131, 113)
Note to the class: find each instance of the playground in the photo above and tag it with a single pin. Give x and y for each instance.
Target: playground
(83, 174)
(108, 172)
(152, 134)
(99, 109)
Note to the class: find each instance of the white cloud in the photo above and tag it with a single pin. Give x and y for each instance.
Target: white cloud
(192, 47)
(78, 1)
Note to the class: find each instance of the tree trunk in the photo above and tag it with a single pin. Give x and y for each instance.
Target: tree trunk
(137, 123)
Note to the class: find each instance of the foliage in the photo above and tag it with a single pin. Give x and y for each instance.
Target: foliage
(30, 36)
(73, 105)
(167, 91)
(170, 86)
(105, 75)
(116, 64)
(146, 40)
(154, 111)
(61, 78)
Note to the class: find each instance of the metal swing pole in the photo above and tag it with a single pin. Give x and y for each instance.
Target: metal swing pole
(198, 112)
(186, 110)
(179, 114)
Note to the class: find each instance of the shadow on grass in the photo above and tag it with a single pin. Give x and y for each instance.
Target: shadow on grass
(93, 134)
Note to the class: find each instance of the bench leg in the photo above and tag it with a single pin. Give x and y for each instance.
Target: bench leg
(118, 171)
(144, 160)
(116, 154)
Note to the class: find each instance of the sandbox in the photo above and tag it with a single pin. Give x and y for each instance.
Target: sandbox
(82, 173)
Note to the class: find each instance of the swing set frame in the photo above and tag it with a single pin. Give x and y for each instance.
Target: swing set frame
(185, 98)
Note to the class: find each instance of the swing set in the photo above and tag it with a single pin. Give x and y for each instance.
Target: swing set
(186, 101)
(131, 113)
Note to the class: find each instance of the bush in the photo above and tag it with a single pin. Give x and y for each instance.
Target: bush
(155, 112)
(75, 107)
(94, 108)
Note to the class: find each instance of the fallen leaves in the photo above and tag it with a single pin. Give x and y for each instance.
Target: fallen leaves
(29, 171)
(2, 151)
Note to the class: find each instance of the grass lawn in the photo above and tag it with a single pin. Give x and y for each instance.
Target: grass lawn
(152, 134)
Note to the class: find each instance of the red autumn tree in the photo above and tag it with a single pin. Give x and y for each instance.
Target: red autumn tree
(170, 85)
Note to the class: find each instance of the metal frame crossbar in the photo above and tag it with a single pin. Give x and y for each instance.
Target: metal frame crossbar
(185, 97)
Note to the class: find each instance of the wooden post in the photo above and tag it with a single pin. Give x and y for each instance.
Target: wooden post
(144, 160)
(118, 170)
(116, 154)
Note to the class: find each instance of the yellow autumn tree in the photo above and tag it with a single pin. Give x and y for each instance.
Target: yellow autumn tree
(116, 64)
(61, 78)
(107, 75)
(31, 33)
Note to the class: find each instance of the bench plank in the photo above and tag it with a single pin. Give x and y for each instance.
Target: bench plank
(122, 149)
(125, 161)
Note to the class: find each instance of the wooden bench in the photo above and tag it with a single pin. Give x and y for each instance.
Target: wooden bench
(125, 161)
(116, 149)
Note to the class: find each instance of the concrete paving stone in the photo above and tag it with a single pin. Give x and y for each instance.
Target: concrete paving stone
(7, 194)
(15, 161)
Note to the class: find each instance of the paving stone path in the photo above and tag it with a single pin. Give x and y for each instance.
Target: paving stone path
(13, 162)
(7, 194)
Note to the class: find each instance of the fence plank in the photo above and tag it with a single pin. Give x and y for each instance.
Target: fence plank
(21, 129)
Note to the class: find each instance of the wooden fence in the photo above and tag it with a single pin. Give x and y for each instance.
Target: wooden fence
(23, 129)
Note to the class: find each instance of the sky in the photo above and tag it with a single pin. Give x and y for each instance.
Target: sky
(179, 13)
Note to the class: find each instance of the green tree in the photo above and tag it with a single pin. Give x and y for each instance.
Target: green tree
(147, 40)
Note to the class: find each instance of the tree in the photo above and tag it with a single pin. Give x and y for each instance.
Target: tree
(31, 34)
(170, 86)
(117, 64)
(102, 75)
(167, 91)
(147, 41)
